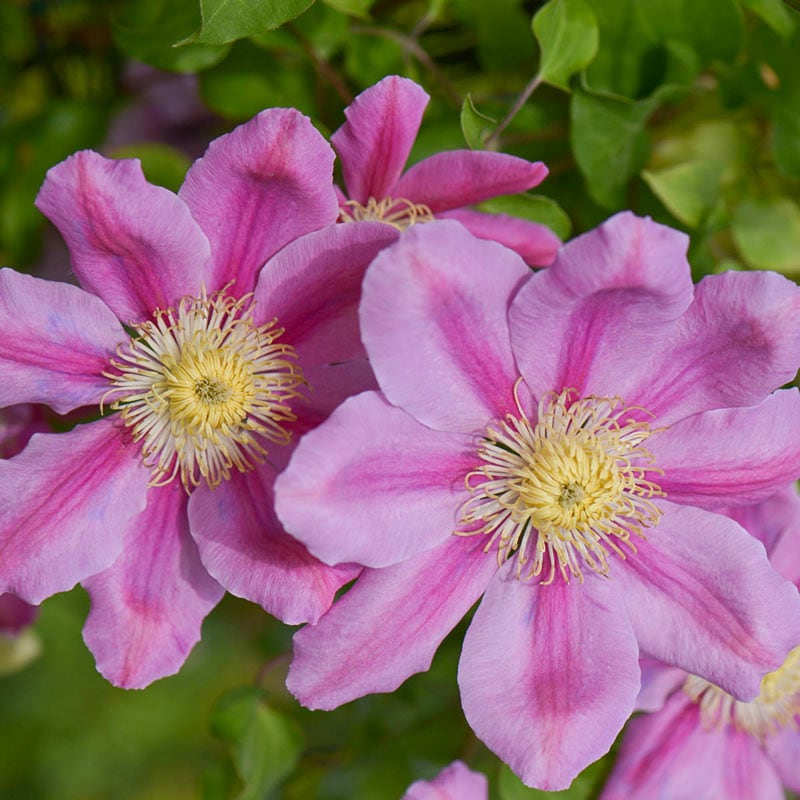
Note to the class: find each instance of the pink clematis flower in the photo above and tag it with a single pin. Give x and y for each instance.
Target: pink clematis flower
(701, 743)
(158, 506)
(373, 146)
(455, 782)
(578, 430)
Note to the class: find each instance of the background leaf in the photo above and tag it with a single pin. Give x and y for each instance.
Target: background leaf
(227, 20)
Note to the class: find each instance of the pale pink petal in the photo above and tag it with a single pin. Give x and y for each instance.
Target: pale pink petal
(147, 608)
(669, 756)
(455, 782)
(433, 320)
(457, 178)
(775, 522)
(739, 340)
(731, 456)
(748, 772)
(329, 385)
(244, 546)
(702, 596)
(372, 486)
(15, 614)
(783, 749)
(55, 341)
(596, 315)
(258, 188)
(548, 675)
(313, 287)
(133, 244)
(536, 243)
(65, 503)
(389, 625)
(659, 681)
(373, 145)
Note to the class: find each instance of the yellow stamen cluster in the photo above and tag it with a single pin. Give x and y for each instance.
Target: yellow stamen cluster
(777, 705)
(202, 386)
(400, 213)
(566, 491)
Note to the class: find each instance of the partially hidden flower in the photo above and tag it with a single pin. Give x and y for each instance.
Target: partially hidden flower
(455, 782)
(203, 368)
(701, 743)
(373, 146)
(561, 443)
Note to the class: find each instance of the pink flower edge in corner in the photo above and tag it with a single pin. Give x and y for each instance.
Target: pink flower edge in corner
(700, 742)
(125, 504)
(455, 782)
(391, 475)
(373, 146)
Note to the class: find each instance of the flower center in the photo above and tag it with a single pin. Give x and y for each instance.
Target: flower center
(777, 704)
(202, 386)
(400, 213)
(566, 491)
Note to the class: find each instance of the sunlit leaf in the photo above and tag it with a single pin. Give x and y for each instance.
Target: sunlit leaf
(767, 232)
(689, 190)
(227, 20)
(474, 125)
(535, 208)
(568, 38)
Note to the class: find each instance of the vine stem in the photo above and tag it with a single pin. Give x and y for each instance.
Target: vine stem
(533, 83)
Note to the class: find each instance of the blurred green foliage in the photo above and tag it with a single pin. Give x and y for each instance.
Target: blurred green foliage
(687, 110)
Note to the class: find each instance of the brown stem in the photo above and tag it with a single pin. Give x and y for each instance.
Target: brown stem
(533, 83)
(322, 66)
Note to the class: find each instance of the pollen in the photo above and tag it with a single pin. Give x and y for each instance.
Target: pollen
(204, 389)
(400, 213)
(776, 707)
(564, 493)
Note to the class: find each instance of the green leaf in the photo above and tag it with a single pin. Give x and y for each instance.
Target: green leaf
(533, 207)
(504, 38)
(161, 164)
(148, 29)
(767, 233)
(474, 125)
(266, 744)
(774, 13)
(609, 142)
(227, 20)
(568, 37)
(689, 190)
(786, 135)
(355, 8)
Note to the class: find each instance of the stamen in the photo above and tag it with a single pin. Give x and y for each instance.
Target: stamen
(566, 492)
(202, 386)
(400, 213)
(776, 707)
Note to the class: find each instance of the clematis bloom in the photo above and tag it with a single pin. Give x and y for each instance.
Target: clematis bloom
(373, 146)
(560, 443)
(455, 782)
(165, 501)
(701, 743)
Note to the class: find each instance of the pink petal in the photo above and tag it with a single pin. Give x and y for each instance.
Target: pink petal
(744, 326)
(18, 423)
(313, 287)
(258, 188)
(536, 243)
(596, 315)
(459, 178)
(659, 681)
(433, 320)
(775, 522)
(65, 504)
(455, 782)
(783, 749)
(389, 625)
(133, 244)
(55, 341)
(147, 608)
(748, 772)
(670, 755)
(15, 614)
(702, 596)
(373, 145)
(246, 549)
(731, 456)
(372, 486)
(548, 675)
